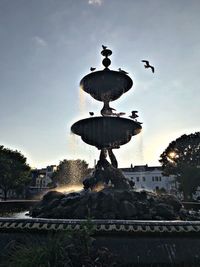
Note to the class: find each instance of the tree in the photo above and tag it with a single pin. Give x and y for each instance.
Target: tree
(182, 158)
(14, 171)
(71, 172)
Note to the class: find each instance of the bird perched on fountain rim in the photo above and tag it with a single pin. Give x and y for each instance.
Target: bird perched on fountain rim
(92, 69)
(133, 114)
(107, 111)
(91, 113)
(122, 71)
(147, 65)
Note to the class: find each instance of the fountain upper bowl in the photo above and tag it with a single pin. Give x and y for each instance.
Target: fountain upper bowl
(106, 85)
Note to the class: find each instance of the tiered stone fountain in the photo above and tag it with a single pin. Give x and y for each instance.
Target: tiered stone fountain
(109, 131)
(117, 198)
(141, 228)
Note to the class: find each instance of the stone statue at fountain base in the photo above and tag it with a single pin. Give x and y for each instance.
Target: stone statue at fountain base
(107, 174)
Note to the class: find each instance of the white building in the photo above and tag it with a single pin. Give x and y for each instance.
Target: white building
(41, 181)
(41, 178)
(150, 178)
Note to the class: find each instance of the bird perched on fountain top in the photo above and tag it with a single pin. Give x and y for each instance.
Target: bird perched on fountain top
(147, 65)
(104, 47)
(123, 71)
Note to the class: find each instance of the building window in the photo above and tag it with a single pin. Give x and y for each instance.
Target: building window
(143, 179)
(138, 179)
(153, 178)
(156, 178)
(160, 179)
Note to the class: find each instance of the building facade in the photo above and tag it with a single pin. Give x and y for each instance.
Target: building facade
(41, 180)
(150, 178)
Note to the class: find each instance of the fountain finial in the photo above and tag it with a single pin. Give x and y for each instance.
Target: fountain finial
(106, 53)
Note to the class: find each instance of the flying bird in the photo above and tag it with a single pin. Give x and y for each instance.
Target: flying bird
(104, 47)
(123, 71)
(92, 69)
(91, 113)
(147, 65)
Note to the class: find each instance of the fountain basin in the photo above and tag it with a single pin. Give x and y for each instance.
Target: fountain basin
(106, 85)
(135, 243)
(106, 132)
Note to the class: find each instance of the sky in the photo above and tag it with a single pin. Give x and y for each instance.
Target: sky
(47, 46)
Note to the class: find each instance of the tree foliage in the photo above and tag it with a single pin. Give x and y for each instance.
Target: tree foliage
(188, 181)
(14, 171)
(71, 172)
(182, 158)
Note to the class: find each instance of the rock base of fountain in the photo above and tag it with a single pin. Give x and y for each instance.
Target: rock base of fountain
(118, 200)
(111, 204)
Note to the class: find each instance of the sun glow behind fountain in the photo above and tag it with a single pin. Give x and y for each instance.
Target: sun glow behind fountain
(70, 188)
(76, 188)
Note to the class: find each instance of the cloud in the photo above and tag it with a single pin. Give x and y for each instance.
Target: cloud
(95, 2)
(39, 41)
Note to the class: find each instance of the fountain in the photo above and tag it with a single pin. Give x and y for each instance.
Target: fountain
(109, 131)
(117, 198)
(142, 228)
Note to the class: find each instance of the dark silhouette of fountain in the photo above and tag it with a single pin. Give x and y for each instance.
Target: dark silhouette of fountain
(109, 131)
(117, 197)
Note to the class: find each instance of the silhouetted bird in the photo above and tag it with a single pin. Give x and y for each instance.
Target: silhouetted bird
(120, 114)
(91, 113)
(123, 71)
(133, 114)
(104, 47)
(92, 69)
(147, 65)
(107, 111)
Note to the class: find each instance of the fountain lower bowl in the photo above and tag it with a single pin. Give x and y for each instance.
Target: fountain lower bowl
(106, 132)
